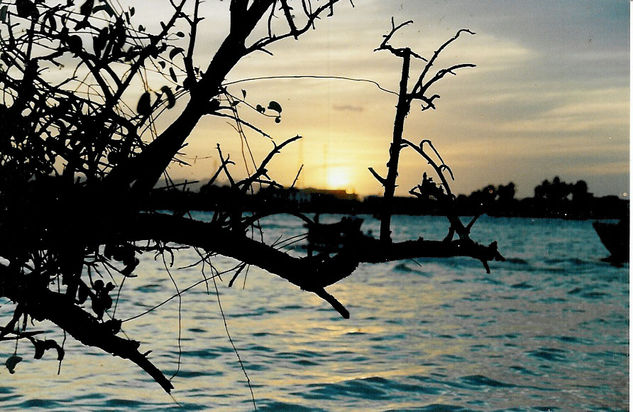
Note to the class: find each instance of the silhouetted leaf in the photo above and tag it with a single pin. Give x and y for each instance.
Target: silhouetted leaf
(260, 108)
(74, 43)
(122, 252)
(180, 34)
(132, 11)
(273, 105)
(11, 362)
(171, 100)
(26, 9)
(43, 345)
(144, 107)
(99, 41)
(82, 24)
(121, 36)
(129, 268)
(105, 7)
(39, 349)
(101, 301)
(98, 285)
(172, 74)
(244, 93)
(174, 52)
(162, 64)
(3, 14)
(277, 119)
(86, 8)
(141, 28)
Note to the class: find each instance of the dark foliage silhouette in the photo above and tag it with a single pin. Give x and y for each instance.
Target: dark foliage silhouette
(81, 155)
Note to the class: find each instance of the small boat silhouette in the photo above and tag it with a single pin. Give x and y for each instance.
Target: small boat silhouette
(615, 237)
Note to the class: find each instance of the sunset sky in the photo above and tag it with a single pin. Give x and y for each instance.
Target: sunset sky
(549, 95)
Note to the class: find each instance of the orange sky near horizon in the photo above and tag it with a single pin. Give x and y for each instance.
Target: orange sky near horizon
(549, 96)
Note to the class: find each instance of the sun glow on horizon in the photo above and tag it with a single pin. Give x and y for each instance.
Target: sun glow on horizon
(338, 178)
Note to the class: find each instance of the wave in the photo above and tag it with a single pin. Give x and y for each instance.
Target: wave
(549, 354)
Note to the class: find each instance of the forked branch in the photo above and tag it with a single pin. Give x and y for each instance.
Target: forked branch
(405, 98)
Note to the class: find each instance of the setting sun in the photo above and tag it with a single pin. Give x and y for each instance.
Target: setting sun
(338, 178)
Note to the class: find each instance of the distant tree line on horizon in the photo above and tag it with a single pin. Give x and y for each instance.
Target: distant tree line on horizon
(555, 199)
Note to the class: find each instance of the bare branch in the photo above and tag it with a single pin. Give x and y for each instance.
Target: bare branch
(221, 168)
(296, 177)
(146, 53)
(439, 75)
(40, 303)
(400, 52)
(112, 156)
(223, 165)
(418, 87)
(243, 122)
(261, 170)
(428, 101)
(311, 274)
(472, 222)
(147, 168)
(288, 14)
(188, 59)
(381, 179)
(310, 19)
(438, 169)
(332, 301)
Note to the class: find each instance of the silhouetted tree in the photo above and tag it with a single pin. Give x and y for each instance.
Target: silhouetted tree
(420, 91)
(80, 155)
(580, 192)
(558, 198)
(555, 192)
(506, 193)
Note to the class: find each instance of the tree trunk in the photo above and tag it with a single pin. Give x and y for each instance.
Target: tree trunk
(402, 109)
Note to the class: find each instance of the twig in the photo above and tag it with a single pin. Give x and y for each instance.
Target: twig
(332, 301)
(173, 281)
(223, 165)
(228, 334)
(261, 169)
(296, 177)
(419, 87)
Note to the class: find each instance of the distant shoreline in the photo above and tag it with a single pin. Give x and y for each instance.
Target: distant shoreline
(337, 202)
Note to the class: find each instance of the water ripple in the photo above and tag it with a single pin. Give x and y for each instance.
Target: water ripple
(546, 330)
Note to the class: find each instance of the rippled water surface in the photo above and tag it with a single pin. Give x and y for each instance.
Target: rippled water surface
(546, 330)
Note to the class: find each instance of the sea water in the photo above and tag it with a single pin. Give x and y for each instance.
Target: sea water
(546, 330)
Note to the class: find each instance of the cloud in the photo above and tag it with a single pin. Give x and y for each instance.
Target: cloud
(600, 169)
(348, 108)
(549, 95)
